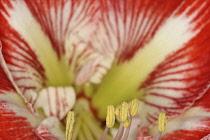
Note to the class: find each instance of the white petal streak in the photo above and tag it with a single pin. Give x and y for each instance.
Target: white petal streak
(56, 101)
(50, 129)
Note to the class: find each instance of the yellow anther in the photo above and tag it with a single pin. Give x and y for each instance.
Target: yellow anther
(162, 120)
(117, 112)
(127, 123)
(110, 118)
(134, 107)
(124, 111)
(69, 125)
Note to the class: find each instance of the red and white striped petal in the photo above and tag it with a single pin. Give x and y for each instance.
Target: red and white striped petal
(63, 19)
(73, 23)
(55, 101)
(146, 138)
(128, 25)
(16, 120)
(51, 129)
(181, 78)
(93, 71)
(143, 131)
(42, 40)
(193, 124)
(206, 137)
(23, 64)
(134, 128)
(162, 58)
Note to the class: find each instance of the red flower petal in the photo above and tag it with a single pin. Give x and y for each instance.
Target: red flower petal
(93, 71)
(56, 101)
(44, 134)
(182, 78)
(50, 129)
(128, 25)
(146, 138)
(206, 137)
(59, 19)
(162, 54)
(23, 63)
(45, 40)
(16, 120)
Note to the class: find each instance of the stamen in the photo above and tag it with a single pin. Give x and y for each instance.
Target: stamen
(162, 122)
(69, 125)
(124, 111)
(117, 112)
(127, 123)
(158, 136)
(110, 120)
(134, 107)
(120, 132)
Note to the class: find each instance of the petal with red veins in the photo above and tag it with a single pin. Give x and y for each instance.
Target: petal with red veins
(16, 120)
(165, 64)
(146, 138)
(51, 129)
(93, 71)
(206, 137)
(193, 124)
(127, 25)
(60, 19)
(134, 128)
(87, 71)
(55, 101)
(45, 43)
(143, 131)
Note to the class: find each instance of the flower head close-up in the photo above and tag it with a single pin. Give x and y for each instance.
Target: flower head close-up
(104, 69)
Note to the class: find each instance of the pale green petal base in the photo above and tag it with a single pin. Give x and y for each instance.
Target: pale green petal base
(86, 127)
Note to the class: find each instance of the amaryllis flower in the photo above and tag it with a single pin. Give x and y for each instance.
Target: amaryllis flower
(83, 55)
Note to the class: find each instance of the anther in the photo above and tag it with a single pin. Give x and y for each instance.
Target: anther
(134, 107)
(127, 123)
(69, 125)
(124, 111)
(162, 122)
(117, 112)
(110, 118)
